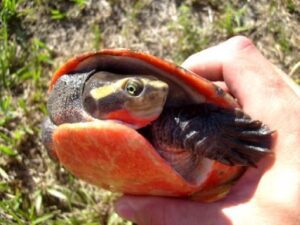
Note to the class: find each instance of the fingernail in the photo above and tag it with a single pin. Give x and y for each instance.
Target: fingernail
(124, 210)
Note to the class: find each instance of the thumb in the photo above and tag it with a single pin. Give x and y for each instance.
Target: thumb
(143, 210)
(164, 211)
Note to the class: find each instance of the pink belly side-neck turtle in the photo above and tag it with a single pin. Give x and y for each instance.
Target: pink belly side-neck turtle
(130, 122)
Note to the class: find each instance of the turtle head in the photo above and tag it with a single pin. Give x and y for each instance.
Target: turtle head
(136, 100)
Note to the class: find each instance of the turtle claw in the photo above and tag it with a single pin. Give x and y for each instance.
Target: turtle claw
(254, 135)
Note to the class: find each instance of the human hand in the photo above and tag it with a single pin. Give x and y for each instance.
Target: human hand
(269, 194)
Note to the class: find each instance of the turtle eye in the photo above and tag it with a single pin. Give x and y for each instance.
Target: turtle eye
(134, 87)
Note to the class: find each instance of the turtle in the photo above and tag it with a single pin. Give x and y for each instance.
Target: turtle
(131, 122)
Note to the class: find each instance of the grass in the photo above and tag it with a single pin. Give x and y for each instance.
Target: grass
(233, 20)
(37, 36)
(29, 197)
(188, 30)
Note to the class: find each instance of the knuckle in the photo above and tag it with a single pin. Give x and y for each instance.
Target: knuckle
(241, 42)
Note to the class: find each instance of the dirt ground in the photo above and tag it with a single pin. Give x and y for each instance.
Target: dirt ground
(34, 189)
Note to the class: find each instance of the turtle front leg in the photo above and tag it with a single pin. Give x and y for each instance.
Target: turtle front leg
(47, 130)
(226, 135)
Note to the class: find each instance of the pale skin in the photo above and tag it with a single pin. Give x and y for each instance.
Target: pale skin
(267, 195)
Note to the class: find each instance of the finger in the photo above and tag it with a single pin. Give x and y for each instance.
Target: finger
(249, 76)
(206, 63)
(253, 80)
(165, 211)
(209, 62)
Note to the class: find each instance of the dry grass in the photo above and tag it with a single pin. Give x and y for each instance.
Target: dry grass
(38, 36)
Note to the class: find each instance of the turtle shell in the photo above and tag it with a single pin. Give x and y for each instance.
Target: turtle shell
(118, 158)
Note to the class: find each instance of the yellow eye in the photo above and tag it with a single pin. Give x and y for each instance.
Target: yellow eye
(134, 87)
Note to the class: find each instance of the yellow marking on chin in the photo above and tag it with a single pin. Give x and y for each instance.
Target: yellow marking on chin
(102, 92)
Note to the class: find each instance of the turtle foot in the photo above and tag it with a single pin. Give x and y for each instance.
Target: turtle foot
(237, 139)
(247, 140)
(227, 135)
